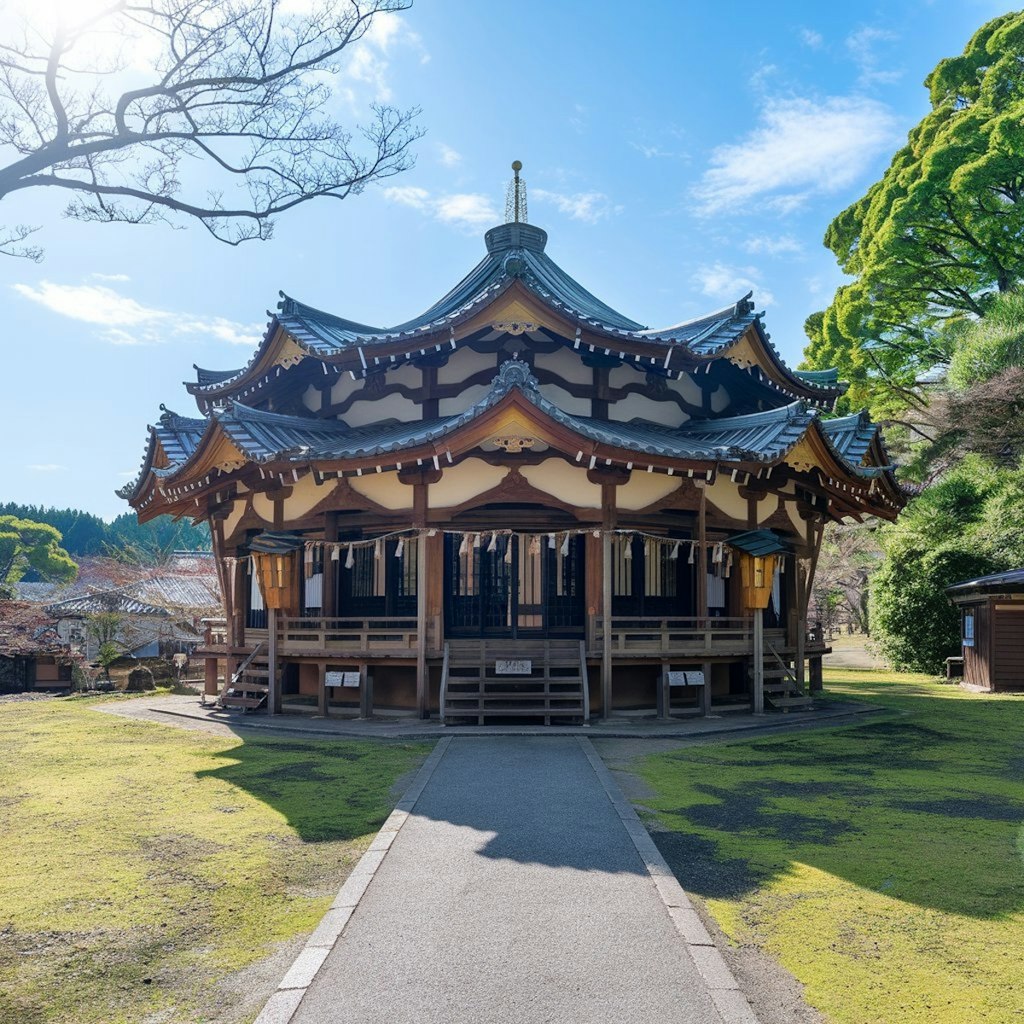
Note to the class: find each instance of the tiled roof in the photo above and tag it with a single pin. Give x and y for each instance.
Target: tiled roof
(177, 435)
(1013, 581)
(26, 629)
(515, 252)
(762, 436)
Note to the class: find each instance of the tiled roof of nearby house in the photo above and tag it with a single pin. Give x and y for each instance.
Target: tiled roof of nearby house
(26, 630)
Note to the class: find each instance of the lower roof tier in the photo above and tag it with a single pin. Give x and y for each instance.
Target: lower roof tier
(512, 416)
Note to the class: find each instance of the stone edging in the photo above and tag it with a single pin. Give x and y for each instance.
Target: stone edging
(725, 993)
(281, 1006)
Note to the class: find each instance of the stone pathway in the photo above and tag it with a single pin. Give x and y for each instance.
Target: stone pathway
(513, 884)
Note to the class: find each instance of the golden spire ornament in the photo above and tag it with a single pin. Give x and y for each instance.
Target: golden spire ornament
(515, 197)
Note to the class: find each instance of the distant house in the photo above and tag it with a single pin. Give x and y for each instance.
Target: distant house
(992, 630)
(33, 656)
(159, 614)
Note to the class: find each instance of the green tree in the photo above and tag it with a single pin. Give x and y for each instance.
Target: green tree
(970, 523)
(938, 236)
(104, 627)
(25, 545)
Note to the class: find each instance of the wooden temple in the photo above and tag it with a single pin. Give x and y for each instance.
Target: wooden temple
(520, 505)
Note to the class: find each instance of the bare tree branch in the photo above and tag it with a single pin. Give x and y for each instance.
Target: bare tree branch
(233, 127)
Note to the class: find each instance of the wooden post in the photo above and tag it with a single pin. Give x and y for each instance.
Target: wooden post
(365, 692)
(606, 620)
(705, 697)
(422, 577)
(330, 606)
(758, 699)
(273, 680)
(322, 690)
(801, 625)
(702, 564)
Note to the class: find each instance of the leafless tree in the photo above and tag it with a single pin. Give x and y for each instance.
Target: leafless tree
(219, 110)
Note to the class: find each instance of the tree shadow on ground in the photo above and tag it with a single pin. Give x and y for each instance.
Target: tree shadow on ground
(926, 810)
(328, 789)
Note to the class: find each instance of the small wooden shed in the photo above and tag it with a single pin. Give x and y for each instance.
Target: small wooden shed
(992, 629)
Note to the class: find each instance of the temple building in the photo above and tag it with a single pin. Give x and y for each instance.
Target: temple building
(519, 505)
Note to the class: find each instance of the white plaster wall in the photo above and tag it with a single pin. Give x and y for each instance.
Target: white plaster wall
(565, 482)
(620, 376)
(385, 407)
(725, 496)
(232, 520)
(343, 387)
(566, 363)
(263, 507)
(645, 489)
(383, 488)
(464, 362)
(566, 402)
(407, 374)
(311, 399)
(641, 407)
(461, 402)
(688, 388)
(305, 494)
(461, 482)
(720, 399)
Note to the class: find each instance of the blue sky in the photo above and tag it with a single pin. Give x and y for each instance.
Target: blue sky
(677, 153)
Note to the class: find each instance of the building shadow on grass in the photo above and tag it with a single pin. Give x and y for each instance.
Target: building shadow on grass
(928, 810)
(327, 790)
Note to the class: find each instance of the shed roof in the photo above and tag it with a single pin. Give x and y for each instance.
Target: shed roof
(999, 582)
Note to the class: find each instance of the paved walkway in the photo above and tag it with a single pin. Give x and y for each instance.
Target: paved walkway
(513, 884)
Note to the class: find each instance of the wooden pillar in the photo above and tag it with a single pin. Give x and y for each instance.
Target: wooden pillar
(801, 623)
(705, 697)
(330, 609)
(273, 679)
(423, 570)
(322, 689)
(757, 704)
(365, 692)
(606, 622)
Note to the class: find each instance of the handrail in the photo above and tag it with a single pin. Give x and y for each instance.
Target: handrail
(443, 696)
(237, 674)
(584, 682)
(789, 672)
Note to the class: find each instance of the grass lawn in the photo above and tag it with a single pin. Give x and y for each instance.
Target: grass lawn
(147, 869)
(881, 864)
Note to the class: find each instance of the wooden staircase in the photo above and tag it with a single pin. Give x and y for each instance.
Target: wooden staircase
(555, 689)
(781, 690)
(249, 687)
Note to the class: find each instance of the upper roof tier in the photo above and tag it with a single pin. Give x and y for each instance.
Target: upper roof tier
(516, 259)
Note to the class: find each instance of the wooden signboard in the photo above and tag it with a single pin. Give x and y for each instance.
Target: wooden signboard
(509, 667)
(686, 679)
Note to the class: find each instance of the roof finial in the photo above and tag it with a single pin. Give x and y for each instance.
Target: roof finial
(515, 197)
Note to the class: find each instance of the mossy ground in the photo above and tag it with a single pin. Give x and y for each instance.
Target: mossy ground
(881, 864)
(142, 863)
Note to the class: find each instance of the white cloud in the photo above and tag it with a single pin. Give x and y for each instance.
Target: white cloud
(127, 322)
(462, 209)
(45, 467)
(863, 46)
(366, 64)
(466, 209)
(799, 148)
(811, 39)
(448, 156)
(93, 303)
(587, 206)
(109, 277)
(727, 284)
(772, 245)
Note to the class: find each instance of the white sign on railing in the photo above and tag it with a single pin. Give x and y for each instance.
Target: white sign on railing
(509, 667)
(686, 679)
(342, 679)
